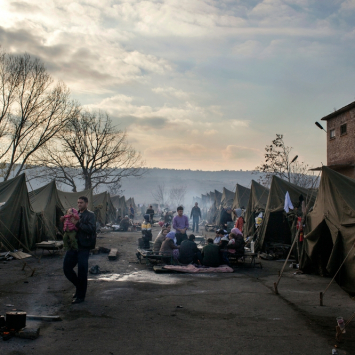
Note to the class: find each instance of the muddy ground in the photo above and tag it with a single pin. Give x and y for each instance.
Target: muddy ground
(132, 310)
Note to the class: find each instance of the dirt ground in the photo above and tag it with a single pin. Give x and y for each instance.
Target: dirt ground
(132, 310)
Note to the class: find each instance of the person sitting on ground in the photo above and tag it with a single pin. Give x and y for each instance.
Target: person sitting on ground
(160, 239)
(226, 217)
(125, 223)
(150, 211)
(70, 220)
(189, 253)
(165, 225)
(238, 245)
(220, 233)
(181, 225)
(169, 248)
(240, 220)
(211, 255)
(146, 231)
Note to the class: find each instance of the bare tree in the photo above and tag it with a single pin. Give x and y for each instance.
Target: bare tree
(277, 162)
(33, 110)
(96, 149)
(160, 194)
(177, 195)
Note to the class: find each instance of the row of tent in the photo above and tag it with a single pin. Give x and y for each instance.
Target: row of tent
(329, 231)
(27, 218)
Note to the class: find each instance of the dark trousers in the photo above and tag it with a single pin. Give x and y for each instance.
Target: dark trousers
(180, 238)
(195, 222)
(80, 280)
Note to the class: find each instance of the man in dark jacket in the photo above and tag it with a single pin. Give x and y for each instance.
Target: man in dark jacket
(211, 255)
(86, 236)
(196, 215)
(150, 211)
(189, 252)
(226, 217)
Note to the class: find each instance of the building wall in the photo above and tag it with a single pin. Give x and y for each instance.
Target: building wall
(341, 149)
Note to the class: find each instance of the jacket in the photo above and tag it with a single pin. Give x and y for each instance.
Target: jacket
(211, 255)
(86, 234)
(188, 249)
(238, 245)
(167, 247)
(195, 212)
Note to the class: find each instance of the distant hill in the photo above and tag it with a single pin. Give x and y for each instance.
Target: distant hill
(197, 182)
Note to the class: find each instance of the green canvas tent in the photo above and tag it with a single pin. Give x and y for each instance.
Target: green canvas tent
(227, 198)
(46, 203)
(257, 203)
(241, 197)
(119, 203)
(276, 226)
(330, 230)
(70, 199)
(17, 218)
(105, 211)
(226, 201)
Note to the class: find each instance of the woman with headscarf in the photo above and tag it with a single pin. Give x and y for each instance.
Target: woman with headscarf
(169, 247)
(236, 241)
(160, 239)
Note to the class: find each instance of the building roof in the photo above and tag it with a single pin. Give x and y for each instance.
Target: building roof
(338, 112)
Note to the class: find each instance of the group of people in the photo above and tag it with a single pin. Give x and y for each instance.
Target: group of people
(182, 248)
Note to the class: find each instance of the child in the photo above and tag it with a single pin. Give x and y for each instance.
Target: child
(146, 231)
(70, 229)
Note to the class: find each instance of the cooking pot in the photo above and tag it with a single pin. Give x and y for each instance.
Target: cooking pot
(15, 320)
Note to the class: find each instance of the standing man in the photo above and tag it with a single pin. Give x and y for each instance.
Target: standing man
(181, 225)
(86, 236)
(150, 211)
(196, 215)
(131, 212)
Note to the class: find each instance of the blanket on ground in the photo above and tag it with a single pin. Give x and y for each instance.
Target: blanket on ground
(194, 270)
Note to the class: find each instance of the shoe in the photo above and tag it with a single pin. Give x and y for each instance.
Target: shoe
(78, 300)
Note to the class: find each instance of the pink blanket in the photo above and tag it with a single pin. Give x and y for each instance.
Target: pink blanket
(193, 269)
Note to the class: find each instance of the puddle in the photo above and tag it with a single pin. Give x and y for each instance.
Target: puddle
(140, 276)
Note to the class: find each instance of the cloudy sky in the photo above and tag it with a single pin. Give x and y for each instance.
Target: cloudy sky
(198, 84)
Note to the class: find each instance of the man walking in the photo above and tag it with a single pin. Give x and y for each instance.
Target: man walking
(86, 236)
(181, 225)
(196, 215)
(131, 212)
(150, 211)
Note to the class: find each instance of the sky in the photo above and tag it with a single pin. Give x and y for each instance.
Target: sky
(198, 84)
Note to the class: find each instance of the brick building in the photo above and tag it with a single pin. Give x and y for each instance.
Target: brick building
(341, 140)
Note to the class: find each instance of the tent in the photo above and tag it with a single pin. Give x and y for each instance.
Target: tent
(330, 230)
(241, 197)
(119, 203)
(104, 209)
(226, 201)
(46, 203)
(70, 199)
(277, 226)
(257, 203)
(227, 198)
(17, 218)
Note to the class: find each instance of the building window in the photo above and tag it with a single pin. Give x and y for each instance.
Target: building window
(332, 133)
(343, 129)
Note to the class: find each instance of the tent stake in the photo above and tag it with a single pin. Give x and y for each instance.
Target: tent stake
(275, 289)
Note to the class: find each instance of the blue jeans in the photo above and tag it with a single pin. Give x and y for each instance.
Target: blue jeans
(80, 280)
(195, 222)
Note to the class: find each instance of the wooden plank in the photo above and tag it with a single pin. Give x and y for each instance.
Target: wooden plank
(20, 255)
(113, 254)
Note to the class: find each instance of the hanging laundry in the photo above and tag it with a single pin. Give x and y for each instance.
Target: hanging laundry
(288, 203)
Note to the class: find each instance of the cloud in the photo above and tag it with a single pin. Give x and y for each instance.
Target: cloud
(169, 91)
(178, 152)
(234, 152)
